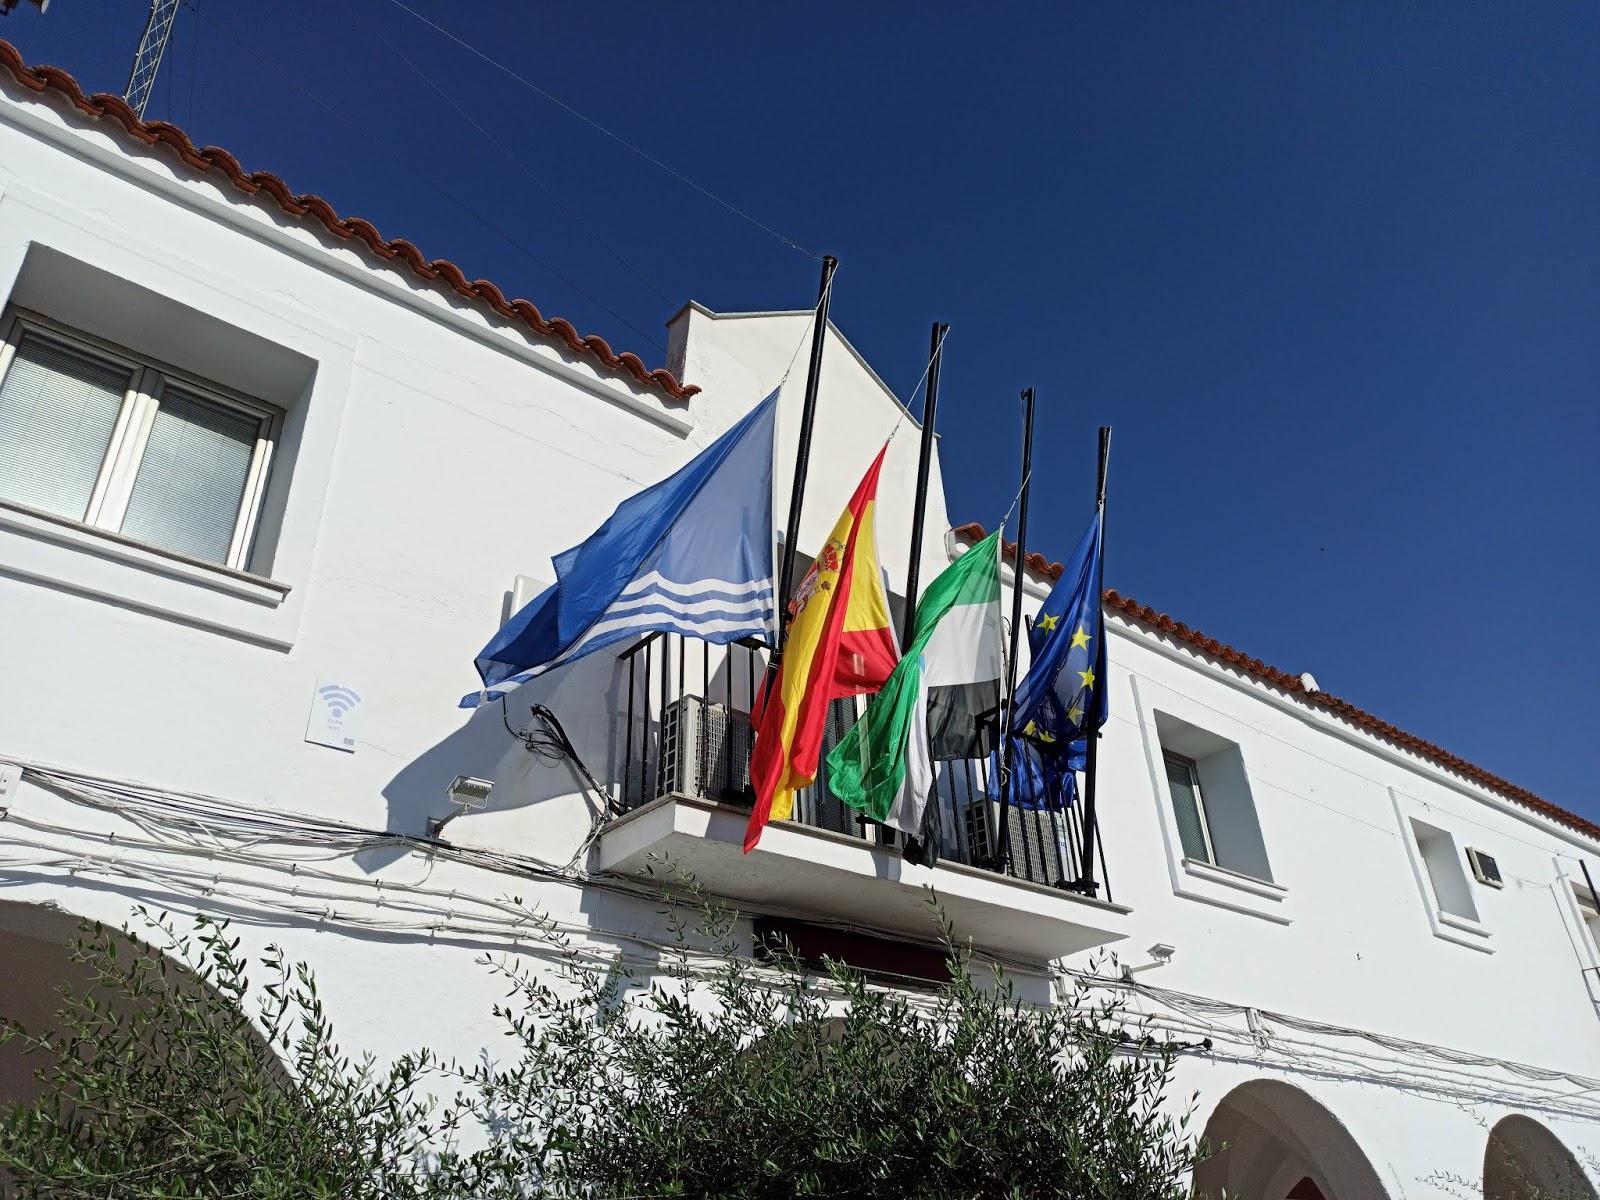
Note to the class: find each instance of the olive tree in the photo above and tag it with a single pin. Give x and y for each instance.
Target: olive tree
(706, 1073)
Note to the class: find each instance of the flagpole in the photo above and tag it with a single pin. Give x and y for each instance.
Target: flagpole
(1091, 761)
(914, 849)
(930, 413)
(1019, 575)
(802, 460)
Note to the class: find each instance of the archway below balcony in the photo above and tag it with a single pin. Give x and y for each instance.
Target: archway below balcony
(1280, 1144)
(1525, 1161)
(36, 943)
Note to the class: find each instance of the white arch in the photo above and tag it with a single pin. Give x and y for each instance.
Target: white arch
(1275, 1137)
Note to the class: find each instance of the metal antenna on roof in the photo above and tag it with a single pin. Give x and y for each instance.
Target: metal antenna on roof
(147, 59)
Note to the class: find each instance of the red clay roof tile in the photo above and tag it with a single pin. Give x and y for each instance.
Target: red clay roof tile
(1165, 625)
(211, 159)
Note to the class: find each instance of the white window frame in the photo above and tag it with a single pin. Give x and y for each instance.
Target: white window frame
(1472, 932)
(1588, 916)
(148, 380)
(1154, 704)
(1577, 908)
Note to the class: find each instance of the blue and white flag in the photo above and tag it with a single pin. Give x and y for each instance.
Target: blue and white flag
(1063, 696)
(691, 555)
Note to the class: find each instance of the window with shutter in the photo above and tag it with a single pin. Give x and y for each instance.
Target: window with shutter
(58, 411)
(94, 434)
(192, 476)
(1183, 781)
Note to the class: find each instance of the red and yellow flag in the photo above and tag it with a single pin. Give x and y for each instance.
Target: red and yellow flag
(841, 643)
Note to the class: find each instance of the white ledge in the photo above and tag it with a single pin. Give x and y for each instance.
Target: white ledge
(1472, 939)
(1235, 879)
(64, 531)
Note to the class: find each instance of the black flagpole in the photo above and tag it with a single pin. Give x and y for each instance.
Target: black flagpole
(1091, 759)
(918, 849)
(930, 413)
(802, 459)
(1019, 577)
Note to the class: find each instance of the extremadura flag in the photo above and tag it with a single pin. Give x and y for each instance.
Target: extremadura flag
(939, 703)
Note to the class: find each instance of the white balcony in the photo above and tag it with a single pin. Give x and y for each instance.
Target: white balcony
(801, 870)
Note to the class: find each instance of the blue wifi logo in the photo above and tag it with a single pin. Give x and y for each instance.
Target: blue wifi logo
(339, 700)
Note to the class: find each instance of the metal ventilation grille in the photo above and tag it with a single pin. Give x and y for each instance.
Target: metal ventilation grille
(1036, 852)
(705, 750)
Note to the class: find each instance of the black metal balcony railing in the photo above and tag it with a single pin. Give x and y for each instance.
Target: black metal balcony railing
(685, 730)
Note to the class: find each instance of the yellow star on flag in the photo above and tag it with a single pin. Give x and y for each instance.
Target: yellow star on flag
(1074, 714)
(1087, 677)
(1048, 623)
(1081, 638)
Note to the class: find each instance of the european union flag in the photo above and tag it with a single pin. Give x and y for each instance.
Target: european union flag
(1039, 780)
(1063, 696)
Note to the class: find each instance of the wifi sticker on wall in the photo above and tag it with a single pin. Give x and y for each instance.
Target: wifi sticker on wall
(335, 710)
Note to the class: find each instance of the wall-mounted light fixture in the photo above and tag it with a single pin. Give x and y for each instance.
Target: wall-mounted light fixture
(469, 794)
(1161, 954)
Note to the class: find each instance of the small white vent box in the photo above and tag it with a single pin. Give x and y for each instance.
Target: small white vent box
(1484, 868)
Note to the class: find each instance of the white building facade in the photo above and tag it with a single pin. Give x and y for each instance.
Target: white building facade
(268, 482)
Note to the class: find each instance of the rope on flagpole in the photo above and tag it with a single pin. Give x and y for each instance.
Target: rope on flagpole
(822, 299)
(1014, 501)
(905, 405)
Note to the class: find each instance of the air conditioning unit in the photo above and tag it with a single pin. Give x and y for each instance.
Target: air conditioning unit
(705, 750)
(1036, 849)
(1484, 868)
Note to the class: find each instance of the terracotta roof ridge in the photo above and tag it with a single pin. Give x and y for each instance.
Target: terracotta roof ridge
(1037, 563)
(396, 251)
(1176, 630)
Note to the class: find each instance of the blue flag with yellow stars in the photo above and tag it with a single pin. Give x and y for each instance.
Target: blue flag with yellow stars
(1063, 696)
(1039, 780)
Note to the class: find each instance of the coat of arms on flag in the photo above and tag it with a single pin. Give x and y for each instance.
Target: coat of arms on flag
(840, 644)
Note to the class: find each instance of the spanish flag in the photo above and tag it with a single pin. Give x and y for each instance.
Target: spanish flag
(841, 643)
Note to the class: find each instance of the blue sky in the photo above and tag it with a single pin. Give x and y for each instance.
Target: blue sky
(1331, 272)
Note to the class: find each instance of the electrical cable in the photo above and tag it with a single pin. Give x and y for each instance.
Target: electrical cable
(592, 123)
(185, 816)
(1442, 1069)
(517, 162)
(194, 63)
(421, 909)
(367, 136)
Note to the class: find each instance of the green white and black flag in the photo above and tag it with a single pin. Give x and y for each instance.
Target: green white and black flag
(940, 702)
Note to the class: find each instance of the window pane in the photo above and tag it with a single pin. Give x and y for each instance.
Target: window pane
(1186, 807)
(192, 476)
(58, 408)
